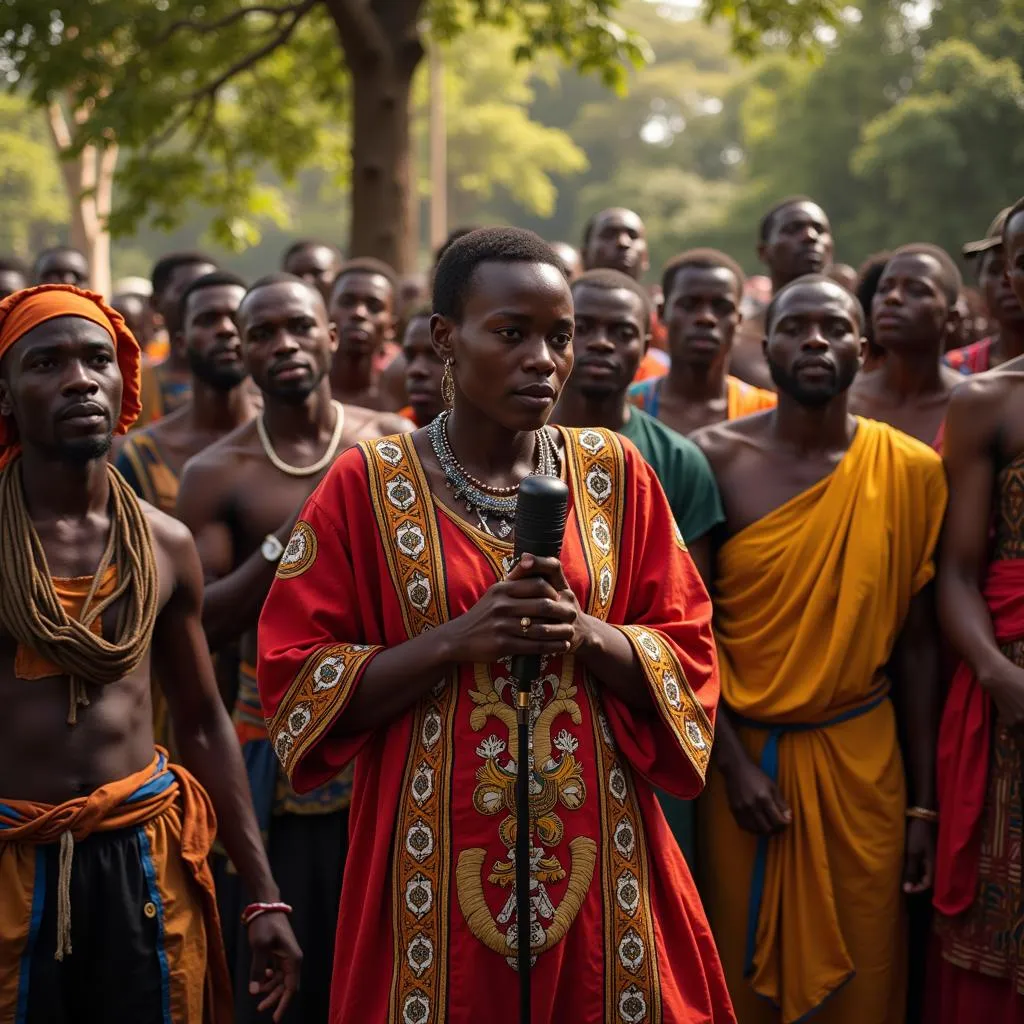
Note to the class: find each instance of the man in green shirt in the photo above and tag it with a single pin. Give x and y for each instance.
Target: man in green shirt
(613, 322)
(613, 327)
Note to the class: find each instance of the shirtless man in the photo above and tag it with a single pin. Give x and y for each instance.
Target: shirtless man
(109, 909)
(913, 313)
(172, 274)
(978, 898)
(315, 262)
(703, 289)
(152, 459)
(816, 610)
(240, 497)
(794, 238)
(362, 309)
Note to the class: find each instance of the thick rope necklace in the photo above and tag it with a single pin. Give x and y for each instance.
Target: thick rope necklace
(498, 503)
(324, 460)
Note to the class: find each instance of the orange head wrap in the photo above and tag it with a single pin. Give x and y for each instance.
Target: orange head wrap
(30, 307)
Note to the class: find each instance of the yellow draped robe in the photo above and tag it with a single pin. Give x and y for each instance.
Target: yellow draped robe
(810, 600)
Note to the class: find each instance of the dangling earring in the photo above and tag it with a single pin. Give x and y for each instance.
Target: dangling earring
(448, 385)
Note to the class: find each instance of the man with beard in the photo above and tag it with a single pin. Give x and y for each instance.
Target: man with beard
(63, 264)
(108, 910)
(1002, 305)
(240, 497)
(703, 290)
(913, 313)
(315, 262)
(978, 892)
(172, 274)
(613, 328)
(616, 239)
(794, 238)
(805, 817)
(151, 460)
(362, 309)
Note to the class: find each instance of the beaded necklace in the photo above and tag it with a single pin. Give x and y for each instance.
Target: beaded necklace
(498, 503)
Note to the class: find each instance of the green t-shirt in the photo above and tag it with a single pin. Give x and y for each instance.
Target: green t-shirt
(683, 470)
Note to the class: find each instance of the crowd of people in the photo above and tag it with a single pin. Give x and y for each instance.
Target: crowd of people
(259, 599)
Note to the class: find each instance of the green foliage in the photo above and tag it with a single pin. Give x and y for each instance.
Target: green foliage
(222, 104)
(494, 148)
(963, 117)
(33, 206)
(796, 26)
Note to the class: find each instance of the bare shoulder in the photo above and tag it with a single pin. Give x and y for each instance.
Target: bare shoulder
(170, 536)
(216, 464)
(984, 395)
(722, 442)
(363, 424)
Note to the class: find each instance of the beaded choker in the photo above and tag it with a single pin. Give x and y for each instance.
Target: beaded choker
(498, 503)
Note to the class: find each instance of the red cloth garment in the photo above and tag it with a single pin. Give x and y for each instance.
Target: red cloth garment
(963, 750)
(427, 926)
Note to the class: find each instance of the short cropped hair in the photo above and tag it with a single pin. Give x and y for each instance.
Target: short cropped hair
(952, 281)
(308, 243)
(486, 245)
(767, 224)
(215, 279)
(611, 280)
(809, 279)
(591, 223)
(164, 268)
(53, 250)
(1015, 210)
(281, 277)
(453, 236)
(700, 259)
(367, 265)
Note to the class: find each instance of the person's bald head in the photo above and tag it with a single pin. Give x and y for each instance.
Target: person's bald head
(617, 240)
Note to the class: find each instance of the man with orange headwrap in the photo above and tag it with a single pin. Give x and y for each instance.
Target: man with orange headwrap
(107, 909)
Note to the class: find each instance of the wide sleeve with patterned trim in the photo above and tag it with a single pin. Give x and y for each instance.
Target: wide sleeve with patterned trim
(313, 647)
(663, 608)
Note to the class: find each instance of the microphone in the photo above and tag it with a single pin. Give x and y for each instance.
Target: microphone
(541, 512)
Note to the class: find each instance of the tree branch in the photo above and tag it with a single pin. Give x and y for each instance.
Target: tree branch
(362, 35)
(58, 126)
(228, 19)
(209, 91)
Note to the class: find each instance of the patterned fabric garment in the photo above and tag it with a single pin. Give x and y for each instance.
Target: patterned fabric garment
(974, 358)
(987, 939)
(428, 931)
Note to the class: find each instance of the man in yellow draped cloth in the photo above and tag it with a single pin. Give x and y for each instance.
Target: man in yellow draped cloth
(826, 629)
(107, 909)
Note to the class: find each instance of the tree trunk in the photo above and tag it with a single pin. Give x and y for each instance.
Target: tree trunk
(381, 200)
(89, 182)
(382, 48)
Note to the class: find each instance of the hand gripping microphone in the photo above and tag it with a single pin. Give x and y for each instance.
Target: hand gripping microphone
(540, 526)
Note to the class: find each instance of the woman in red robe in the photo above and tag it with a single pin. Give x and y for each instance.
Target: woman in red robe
(387, 637)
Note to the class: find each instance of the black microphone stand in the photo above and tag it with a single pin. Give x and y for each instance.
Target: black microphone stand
(524, 875)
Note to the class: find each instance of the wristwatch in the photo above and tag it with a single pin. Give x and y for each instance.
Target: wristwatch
(271, 549)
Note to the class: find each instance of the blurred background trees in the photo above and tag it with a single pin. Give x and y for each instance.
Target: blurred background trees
(905, 122)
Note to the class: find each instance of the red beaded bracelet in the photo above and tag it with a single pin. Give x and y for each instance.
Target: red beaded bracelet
(254, 910)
